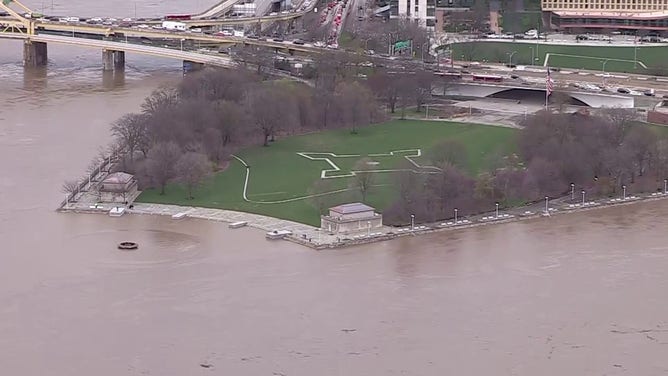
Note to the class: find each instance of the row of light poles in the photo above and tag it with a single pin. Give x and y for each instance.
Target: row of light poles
(547, 201)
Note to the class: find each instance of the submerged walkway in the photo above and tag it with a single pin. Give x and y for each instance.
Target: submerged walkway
(315, 238)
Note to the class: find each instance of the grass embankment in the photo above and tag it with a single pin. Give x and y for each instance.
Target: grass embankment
(620, 59)
(279, 173)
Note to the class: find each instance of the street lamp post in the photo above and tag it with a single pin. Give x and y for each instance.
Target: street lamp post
(604, 62)
(510, 58)
(497, 210)
(583, 197)
(455, 215)
(412, 222)
(572, 192)
(624, 194)
(547, 201)
(532, 58)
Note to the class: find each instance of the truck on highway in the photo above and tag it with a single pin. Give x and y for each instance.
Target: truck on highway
(174, 26)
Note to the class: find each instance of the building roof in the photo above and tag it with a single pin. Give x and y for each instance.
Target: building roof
(355, 207)
(118, 178)
(613, 14)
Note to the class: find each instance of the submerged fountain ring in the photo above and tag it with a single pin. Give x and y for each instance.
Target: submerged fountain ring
(126, 246)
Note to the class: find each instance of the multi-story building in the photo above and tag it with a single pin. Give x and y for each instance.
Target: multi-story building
(422, 11)
(584, 15)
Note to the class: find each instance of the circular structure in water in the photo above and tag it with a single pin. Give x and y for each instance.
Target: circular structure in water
(126, 246)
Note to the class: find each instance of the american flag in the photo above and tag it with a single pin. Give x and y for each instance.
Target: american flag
(549, 84)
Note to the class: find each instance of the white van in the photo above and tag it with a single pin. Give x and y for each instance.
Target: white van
(174, 26)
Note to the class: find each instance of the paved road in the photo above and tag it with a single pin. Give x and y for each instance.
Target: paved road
(611, 81)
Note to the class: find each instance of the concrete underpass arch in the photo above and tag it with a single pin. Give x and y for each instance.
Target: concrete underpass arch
(595, 100)
(535, 95)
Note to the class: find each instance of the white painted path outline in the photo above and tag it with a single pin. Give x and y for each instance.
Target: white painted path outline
(324, 174)
(335, 168)
(602, 59)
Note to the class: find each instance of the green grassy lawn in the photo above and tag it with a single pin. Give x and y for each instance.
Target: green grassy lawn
(278, 173)
(621, 59)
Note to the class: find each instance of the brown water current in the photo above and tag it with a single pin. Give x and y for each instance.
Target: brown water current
(580, 294)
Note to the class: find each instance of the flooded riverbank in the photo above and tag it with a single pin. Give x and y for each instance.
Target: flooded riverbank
(569, 294)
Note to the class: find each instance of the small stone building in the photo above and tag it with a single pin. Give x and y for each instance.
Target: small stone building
(118, 187)
(352, 217)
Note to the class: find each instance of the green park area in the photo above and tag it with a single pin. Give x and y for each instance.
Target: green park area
(629, 59)
(283, 176)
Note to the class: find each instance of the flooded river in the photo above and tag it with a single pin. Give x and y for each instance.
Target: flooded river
(583, 294)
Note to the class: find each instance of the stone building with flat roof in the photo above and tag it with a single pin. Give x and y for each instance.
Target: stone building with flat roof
(118, 187)
(349, 218)
(595, 15)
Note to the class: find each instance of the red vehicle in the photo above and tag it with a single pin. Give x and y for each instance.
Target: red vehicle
(487, 78)
(178, 17)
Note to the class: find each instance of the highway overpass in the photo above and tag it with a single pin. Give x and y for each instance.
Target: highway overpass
(479, 90)
(215, 60)
(84, 30)
(217, 10)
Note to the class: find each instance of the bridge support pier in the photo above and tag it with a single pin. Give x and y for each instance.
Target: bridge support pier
(119, 60)
(191, 66)
(113, 60)
(34, 54)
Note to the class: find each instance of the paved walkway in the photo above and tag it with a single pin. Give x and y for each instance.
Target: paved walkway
(301, 233)
(312, 237)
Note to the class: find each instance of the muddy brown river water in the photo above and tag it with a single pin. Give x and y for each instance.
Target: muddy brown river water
(581, 294)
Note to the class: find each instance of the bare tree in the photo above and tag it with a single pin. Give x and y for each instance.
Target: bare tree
(70, 186)
(270, 110)
(364, 177)
(560, 100)
(448, 151)
(191, 169)
(355, 100)
(320, 197)
(621, 118)
(159, 100)
(386, 87)
(131, 132)
(640, 141)
(480, 15)
(543, 178)
(161, 163)
(216, 84)
(422, 88)
(659, 159)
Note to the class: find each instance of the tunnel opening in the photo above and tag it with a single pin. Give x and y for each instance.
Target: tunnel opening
(529, 96)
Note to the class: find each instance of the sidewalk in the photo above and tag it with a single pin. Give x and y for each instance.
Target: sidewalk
(315, 238)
